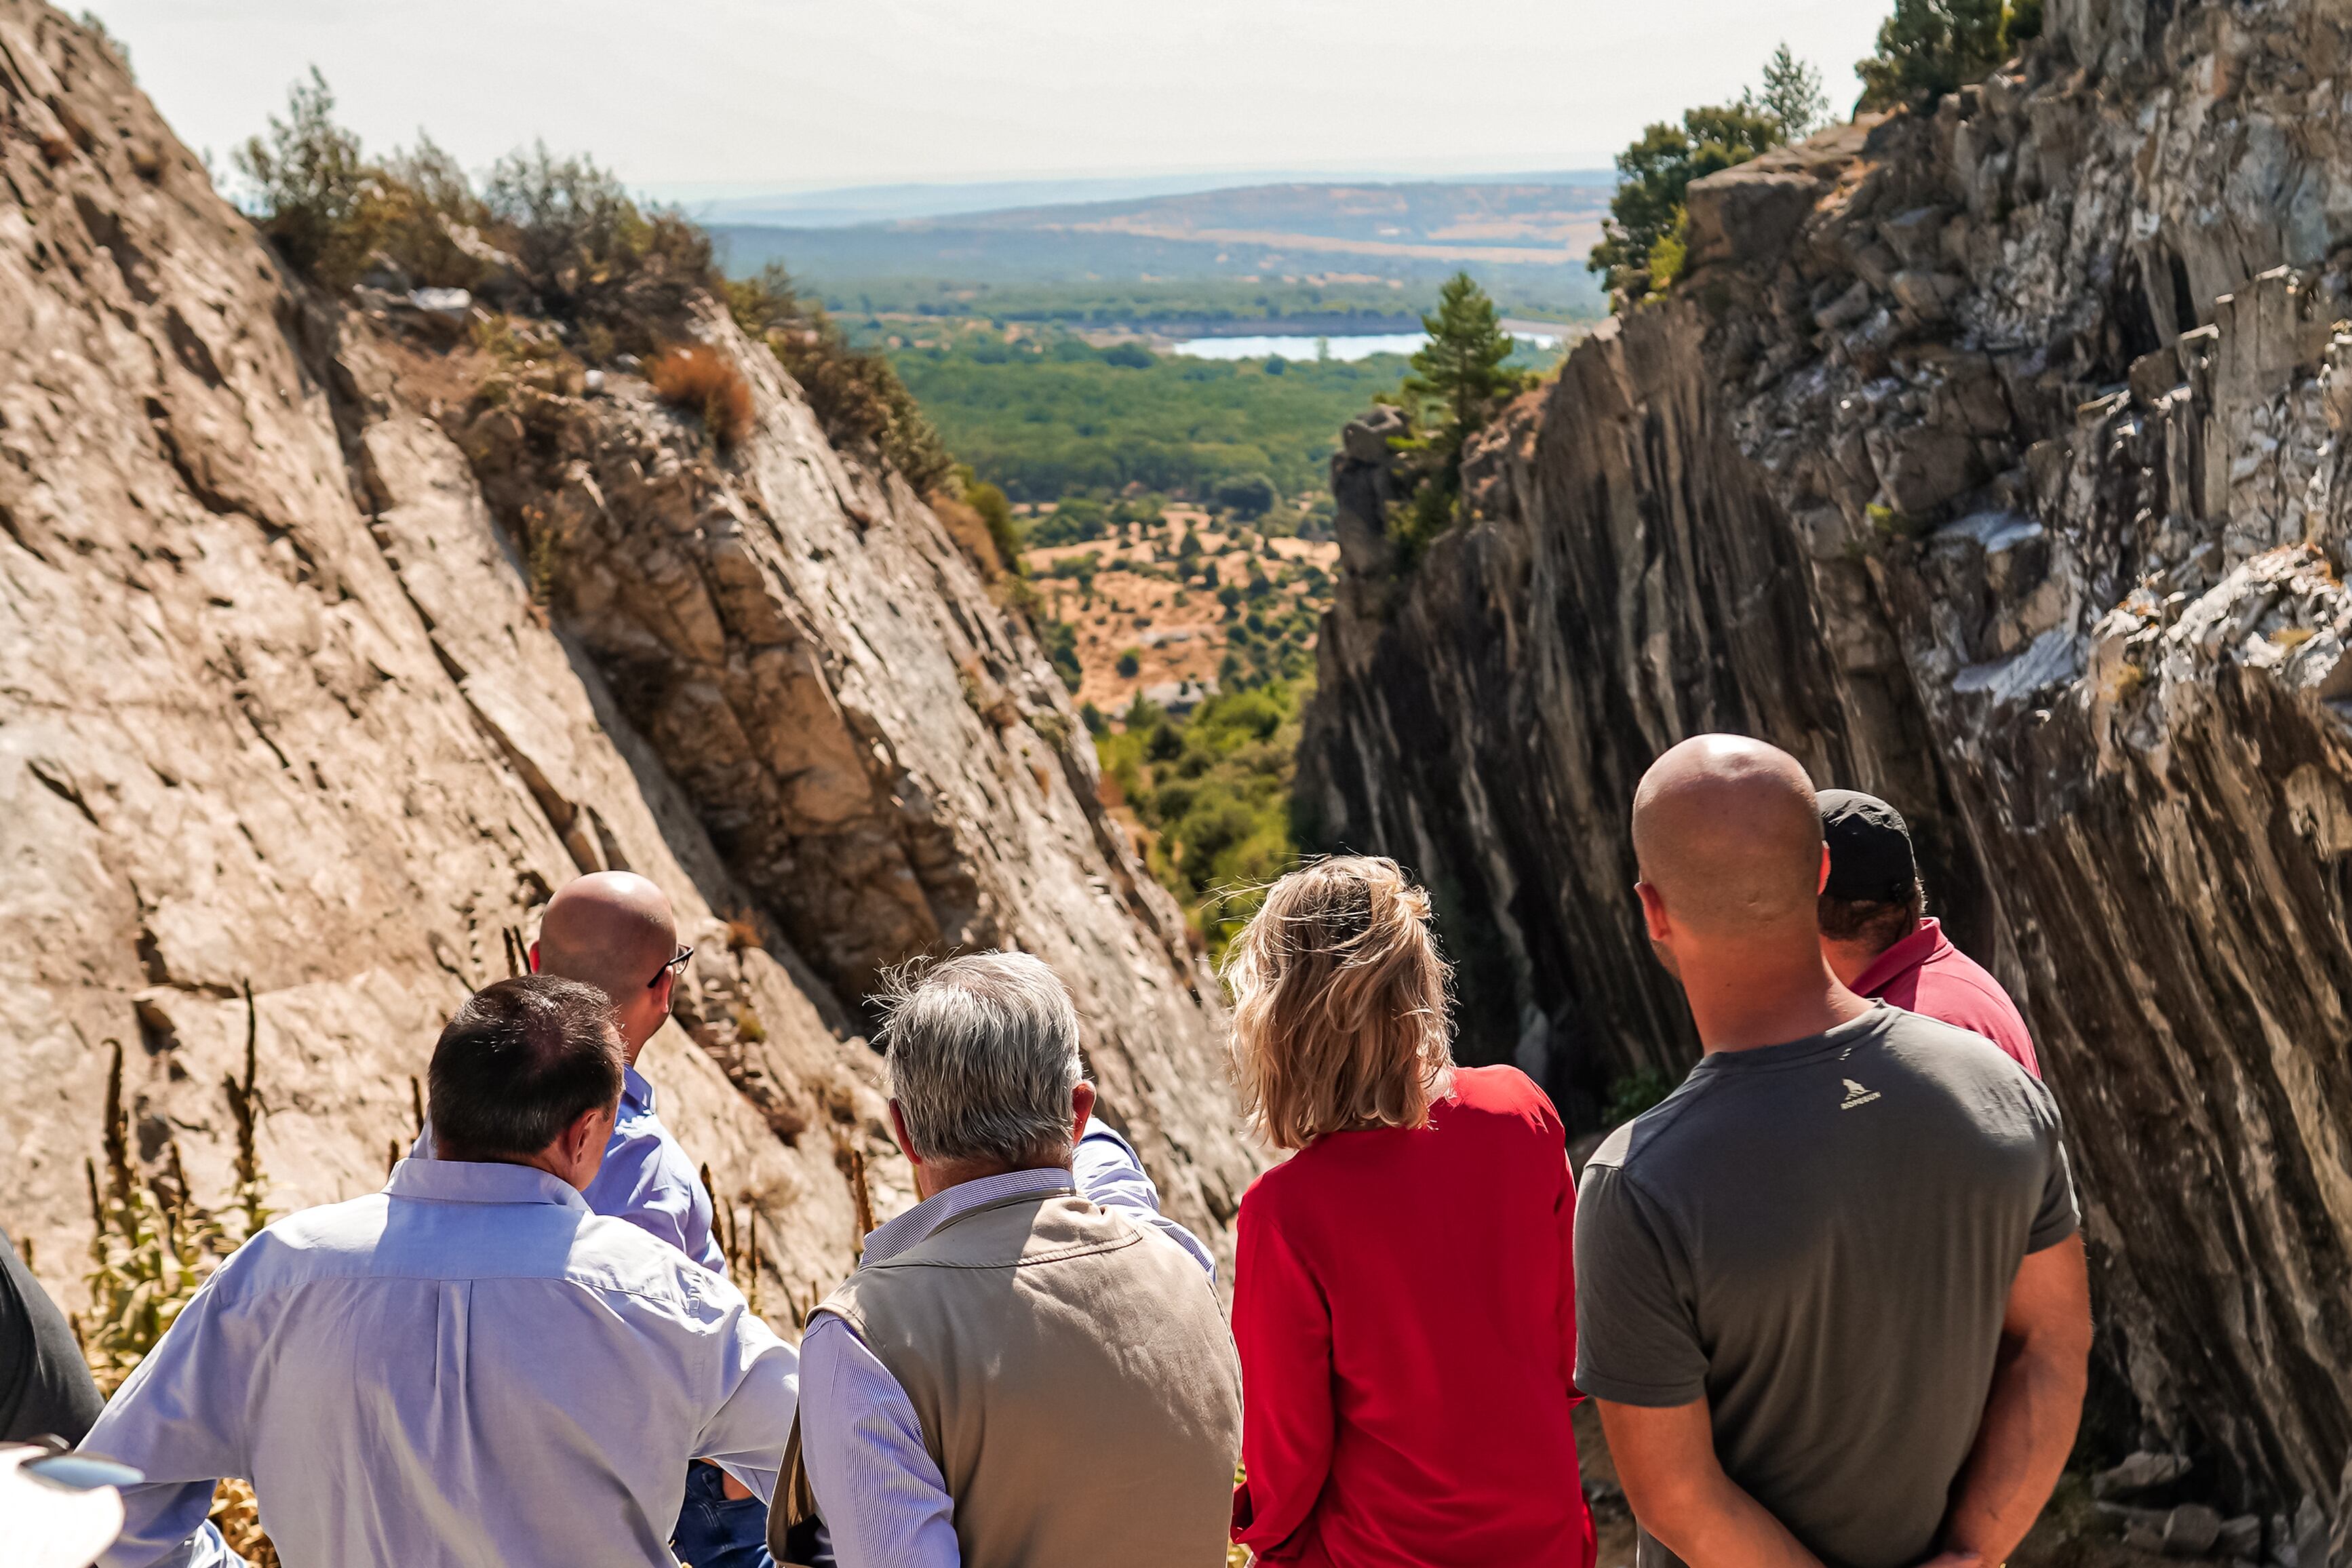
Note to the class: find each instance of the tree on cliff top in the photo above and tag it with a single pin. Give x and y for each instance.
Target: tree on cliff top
(1792, 94)
(1458, 381)
(1460, 368)
(1640, 248)
(1929, 48)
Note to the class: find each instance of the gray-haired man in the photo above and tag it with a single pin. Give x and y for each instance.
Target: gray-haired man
(1017, 1376)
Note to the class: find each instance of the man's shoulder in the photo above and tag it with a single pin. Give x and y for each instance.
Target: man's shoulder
(329, 1241)
(1951, 1042)
(611, 1253)
(1644, 1146)
(1957, 988)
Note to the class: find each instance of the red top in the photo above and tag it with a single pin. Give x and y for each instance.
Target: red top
(1925, 973)
(1405, 1306)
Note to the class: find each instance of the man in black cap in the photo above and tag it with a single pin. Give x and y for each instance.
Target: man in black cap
(1879, 938)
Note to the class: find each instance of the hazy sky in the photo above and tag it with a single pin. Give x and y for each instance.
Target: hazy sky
(681, 96)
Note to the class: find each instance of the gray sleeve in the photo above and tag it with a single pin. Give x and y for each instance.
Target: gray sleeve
(1636, 1336)
(2057, 1216)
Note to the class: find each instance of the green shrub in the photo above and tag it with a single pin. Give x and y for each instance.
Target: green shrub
(1215, 788)
(1130, 662)
(311, 186)
(1653, 174)
(1929, 48)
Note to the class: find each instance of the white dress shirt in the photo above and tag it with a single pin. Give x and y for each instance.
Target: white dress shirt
(468, 1369)
(883, 1500)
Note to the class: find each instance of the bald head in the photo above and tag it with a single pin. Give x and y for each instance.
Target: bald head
(612, 930)
(1727, 831)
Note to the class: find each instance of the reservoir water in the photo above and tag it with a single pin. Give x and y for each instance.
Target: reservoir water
(1362, 346)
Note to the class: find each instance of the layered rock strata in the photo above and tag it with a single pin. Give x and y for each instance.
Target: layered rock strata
(317, 677)
(1989, 458)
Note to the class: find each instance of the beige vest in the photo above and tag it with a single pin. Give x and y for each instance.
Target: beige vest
(1076, 1380)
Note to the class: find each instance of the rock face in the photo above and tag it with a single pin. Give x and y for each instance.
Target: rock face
(1990, 458)
(309, 682)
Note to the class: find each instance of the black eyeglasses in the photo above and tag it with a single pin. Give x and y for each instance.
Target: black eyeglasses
(675, 966)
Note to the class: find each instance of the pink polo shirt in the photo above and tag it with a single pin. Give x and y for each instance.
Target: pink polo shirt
(1925, 973)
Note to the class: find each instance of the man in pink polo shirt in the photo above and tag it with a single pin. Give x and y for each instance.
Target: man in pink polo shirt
(1878, 937)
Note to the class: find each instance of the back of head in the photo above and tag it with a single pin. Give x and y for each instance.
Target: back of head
(519, 1062)
(611, 930)
(1727, 834)
(983, 1057)
(1339, 1003)
(1873, 898)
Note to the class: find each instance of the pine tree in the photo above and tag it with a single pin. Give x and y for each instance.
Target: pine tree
(1458, 380)
(1929, 48)
(1792, 94)
(1460, 369)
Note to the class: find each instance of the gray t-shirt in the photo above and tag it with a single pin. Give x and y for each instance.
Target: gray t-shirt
(1821, 1237)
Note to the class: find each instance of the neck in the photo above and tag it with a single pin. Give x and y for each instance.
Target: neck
(1847, 960)
(1740, 1006)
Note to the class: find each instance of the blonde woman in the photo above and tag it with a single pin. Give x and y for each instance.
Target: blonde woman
(1403, 1296)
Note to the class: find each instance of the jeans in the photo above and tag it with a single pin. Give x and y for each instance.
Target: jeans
(714, 1532)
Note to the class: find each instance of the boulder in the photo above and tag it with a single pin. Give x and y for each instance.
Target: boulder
(1747, 214)
(2139, 1472)
(2190, 1531)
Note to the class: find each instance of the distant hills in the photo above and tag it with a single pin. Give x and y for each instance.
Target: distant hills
(1365, 245)
(887, 203)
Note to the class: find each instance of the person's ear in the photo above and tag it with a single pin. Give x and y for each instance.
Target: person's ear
(1822, 885)
(1653, 910)
(534, 957)
(899, 1132)
(1082, 1108)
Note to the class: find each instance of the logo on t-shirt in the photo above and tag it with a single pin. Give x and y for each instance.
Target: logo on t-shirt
(1856, 1095)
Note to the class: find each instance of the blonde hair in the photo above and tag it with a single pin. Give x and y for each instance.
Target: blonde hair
(1339, 1003)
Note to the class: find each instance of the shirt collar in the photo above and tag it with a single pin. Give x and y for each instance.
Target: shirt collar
(899, 1234)
(1909, 954)
(467, 1182)
(636, 1094)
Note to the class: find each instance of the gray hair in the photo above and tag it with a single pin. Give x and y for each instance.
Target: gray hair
(983, 1056)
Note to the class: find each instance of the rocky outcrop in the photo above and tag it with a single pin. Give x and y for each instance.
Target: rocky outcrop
(318, 671)
(1989, 458)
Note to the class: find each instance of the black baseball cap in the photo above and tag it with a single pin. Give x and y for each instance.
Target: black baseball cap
(1870, 849)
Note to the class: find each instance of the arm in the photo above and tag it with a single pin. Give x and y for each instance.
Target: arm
(1282, 1326)
(1109, 1176)
(2034, 1406)
(883, 1500)
(746, 1438)
(1666, 1459)
(179, 1420)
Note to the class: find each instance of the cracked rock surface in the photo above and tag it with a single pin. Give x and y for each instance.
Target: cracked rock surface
(289, 696)
(1991, 458)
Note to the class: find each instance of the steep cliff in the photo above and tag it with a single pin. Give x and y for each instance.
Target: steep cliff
(1988, 458)
(326, 653)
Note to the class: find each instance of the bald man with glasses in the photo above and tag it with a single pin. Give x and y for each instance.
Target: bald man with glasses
(615, 931)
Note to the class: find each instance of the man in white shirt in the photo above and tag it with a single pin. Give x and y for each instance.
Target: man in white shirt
(470, 1367)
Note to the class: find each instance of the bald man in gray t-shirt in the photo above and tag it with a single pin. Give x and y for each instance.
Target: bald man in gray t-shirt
(1828, 1295)
(1819, 1239)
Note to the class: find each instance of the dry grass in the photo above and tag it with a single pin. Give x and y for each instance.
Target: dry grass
(699, 378)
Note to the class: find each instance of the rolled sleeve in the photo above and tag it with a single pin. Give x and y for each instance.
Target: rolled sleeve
(747, 1436)
(1637, 1338)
